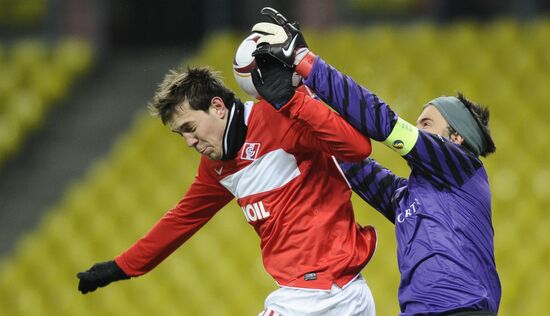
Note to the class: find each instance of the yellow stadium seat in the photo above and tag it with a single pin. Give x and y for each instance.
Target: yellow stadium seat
(73, 57)
(32, 79)
(29, 54)
(50, 83)
(10, 79)
(27, 108)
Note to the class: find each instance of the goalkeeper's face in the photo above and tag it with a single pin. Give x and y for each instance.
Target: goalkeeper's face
(433, 122)
(201, 130)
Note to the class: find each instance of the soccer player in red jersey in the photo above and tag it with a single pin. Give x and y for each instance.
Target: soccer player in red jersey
(278, 160)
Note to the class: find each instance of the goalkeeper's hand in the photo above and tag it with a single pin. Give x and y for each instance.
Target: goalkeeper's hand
(100, 275)
(273, 81)
(284, 41)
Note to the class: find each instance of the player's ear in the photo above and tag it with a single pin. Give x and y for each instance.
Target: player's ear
(456, 138)
(218, 107)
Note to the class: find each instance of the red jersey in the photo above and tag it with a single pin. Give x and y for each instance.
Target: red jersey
(291, 191)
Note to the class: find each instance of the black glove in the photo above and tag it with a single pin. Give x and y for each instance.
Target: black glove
(273, 81)
(282, 39)
(99, 275)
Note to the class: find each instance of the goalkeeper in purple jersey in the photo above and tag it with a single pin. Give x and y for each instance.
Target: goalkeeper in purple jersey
(442, 211)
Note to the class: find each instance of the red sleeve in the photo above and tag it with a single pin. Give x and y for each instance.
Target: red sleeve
(203, 200)
(327, 129)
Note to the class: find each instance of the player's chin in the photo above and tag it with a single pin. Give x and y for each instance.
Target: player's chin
(213, 154)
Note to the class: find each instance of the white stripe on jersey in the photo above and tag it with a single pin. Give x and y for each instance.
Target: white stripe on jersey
(247, 109)
(269, 172)
(341, 171)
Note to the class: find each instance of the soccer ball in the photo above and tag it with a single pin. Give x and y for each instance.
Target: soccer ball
(244, 62)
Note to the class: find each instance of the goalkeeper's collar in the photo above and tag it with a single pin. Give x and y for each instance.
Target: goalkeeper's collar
(235, 131)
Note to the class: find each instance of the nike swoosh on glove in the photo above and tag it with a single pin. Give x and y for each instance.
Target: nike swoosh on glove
(280, 39)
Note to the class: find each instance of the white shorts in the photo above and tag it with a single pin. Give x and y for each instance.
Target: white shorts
(355, 298)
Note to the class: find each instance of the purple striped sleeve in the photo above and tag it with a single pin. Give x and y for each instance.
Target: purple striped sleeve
(375, 184)
(440, 161)
(360, 107)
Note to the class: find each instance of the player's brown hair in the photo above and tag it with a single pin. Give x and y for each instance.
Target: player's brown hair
(197, 85)
(481, 115)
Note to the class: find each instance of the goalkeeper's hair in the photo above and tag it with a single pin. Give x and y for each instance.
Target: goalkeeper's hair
(197, 85)
(481, 115)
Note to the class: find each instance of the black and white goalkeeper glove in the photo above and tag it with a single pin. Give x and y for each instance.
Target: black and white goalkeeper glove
(284, 41)
(100, 275)
(273, 80)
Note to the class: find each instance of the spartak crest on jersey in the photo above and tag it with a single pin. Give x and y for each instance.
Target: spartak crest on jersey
(250, 151)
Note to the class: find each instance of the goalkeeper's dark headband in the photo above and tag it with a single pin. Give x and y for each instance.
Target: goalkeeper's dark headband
(462, 121)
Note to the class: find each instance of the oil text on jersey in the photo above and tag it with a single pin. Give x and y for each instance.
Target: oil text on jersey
(255, 211)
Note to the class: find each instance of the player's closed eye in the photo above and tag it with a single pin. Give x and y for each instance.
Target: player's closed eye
(188, 129)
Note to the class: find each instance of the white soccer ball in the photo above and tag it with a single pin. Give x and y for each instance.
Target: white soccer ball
(244, 62)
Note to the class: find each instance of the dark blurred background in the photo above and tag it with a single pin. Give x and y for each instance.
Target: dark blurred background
(121, 23)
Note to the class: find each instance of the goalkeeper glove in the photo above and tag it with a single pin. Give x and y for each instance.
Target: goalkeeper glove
(100, 275)
(284, 41)
(273, 81)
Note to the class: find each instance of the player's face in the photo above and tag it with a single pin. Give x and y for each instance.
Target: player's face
(201, 130)
(433, 122)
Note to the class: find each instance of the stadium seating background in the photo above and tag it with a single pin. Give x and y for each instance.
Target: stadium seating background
(34, 77)
(503, 64)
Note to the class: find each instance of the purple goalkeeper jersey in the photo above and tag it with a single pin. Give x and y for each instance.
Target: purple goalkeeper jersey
(442, 212)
